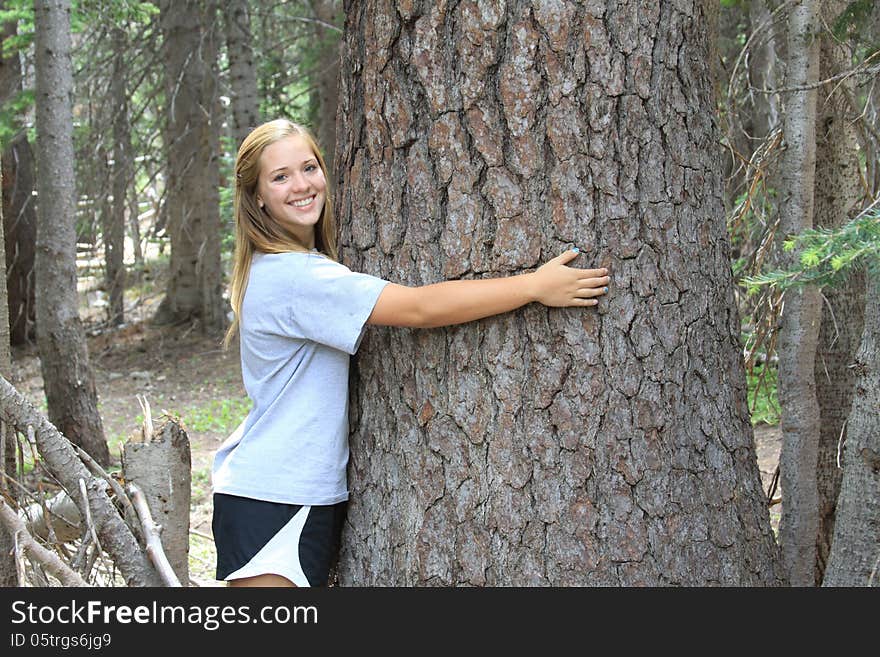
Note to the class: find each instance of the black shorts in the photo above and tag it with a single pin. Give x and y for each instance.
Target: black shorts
(255, 537)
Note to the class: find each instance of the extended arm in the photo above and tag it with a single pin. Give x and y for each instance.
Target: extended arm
(456, 302)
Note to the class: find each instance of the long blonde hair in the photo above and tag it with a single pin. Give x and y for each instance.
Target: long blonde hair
(255, 230)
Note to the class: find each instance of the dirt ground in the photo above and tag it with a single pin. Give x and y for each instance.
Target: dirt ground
(183, 373)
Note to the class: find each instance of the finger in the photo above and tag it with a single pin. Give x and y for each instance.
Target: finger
(594, 282)
(588, 292)
(593, 273)
(585, 302)
(568, 256)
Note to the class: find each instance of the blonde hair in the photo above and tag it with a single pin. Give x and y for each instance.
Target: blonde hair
(255, 230)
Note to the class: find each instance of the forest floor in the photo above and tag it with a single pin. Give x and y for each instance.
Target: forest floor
(185, 374)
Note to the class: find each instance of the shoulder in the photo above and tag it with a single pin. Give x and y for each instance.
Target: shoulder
(295, 261)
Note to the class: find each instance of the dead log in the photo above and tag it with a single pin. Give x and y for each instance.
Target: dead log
(161, 467)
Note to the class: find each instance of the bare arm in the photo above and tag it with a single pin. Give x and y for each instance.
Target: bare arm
(456, 302)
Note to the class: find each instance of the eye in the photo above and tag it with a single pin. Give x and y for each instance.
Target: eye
(279, 177)
(310, 168)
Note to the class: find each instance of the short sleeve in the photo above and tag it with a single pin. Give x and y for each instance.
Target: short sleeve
(331, 303)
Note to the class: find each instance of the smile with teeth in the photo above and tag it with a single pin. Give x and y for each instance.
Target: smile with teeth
(302, 202)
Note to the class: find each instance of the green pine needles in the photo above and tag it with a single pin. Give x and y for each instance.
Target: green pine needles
(827, 256)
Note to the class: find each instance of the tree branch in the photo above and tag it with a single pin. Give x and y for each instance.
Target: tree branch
(61, 459)
(151, 532)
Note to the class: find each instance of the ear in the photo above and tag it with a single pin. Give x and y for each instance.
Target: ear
(260, 202)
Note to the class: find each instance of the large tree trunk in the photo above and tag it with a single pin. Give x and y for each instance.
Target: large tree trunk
(545, 446)
(838, 192)
(327, 12)
(855, 551)
(67, 375)
(801, 315)
(19, 214)
(242, 71)
(192, 138)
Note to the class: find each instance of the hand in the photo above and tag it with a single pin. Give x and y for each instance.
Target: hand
(560, 286)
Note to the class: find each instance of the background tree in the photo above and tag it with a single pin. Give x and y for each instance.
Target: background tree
(854, 559)
(328, 16)
(192, 143)
(19, 209)
(838, 195)
(64, 359)
(828, 259)
(799, 331)
(7, 465)
(114, 228)
(245, 99)
(545, 446)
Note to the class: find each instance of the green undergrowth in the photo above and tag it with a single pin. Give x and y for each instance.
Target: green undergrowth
(217, 416)
(763, 401)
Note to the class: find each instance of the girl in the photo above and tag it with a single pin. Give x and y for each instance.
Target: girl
(279, 480)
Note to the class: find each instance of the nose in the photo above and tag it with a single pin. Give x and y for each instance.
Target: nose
(298, 182)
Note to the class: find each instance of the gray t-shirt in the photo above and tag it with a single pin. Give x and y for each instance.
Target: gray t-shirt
(301, 317)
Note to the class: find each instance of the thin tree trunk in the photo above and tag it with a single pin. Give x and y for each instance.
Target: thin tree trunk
(763, 74)
(545, 446)
(18, 207)
(327, 11)
(135, 231)
(192, 134)
(799, 329)
(855, 551)
(7, 556)
(838, 192)
(242, 70)
(114, 231)
(67, 375)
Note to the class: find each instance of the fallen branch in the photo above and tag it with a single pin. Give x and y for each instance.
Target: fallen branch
(61, 460)
(151, 533)
(96, 468)
(26, 543)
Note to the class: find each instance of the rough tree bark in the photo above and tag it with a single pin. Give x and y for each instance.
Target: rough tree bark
(855, 551)
(242, 71)
(64, 359)
(801, 315)
(837, 195)
(18, 207)
(192, 144)
(545, 446)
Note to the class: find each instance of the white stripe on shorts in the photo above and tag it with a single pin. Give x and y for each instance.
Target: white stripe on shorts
(280, 556)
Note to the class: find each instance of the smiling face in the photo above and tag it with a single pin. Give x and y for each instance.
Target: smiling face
(291, 187)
